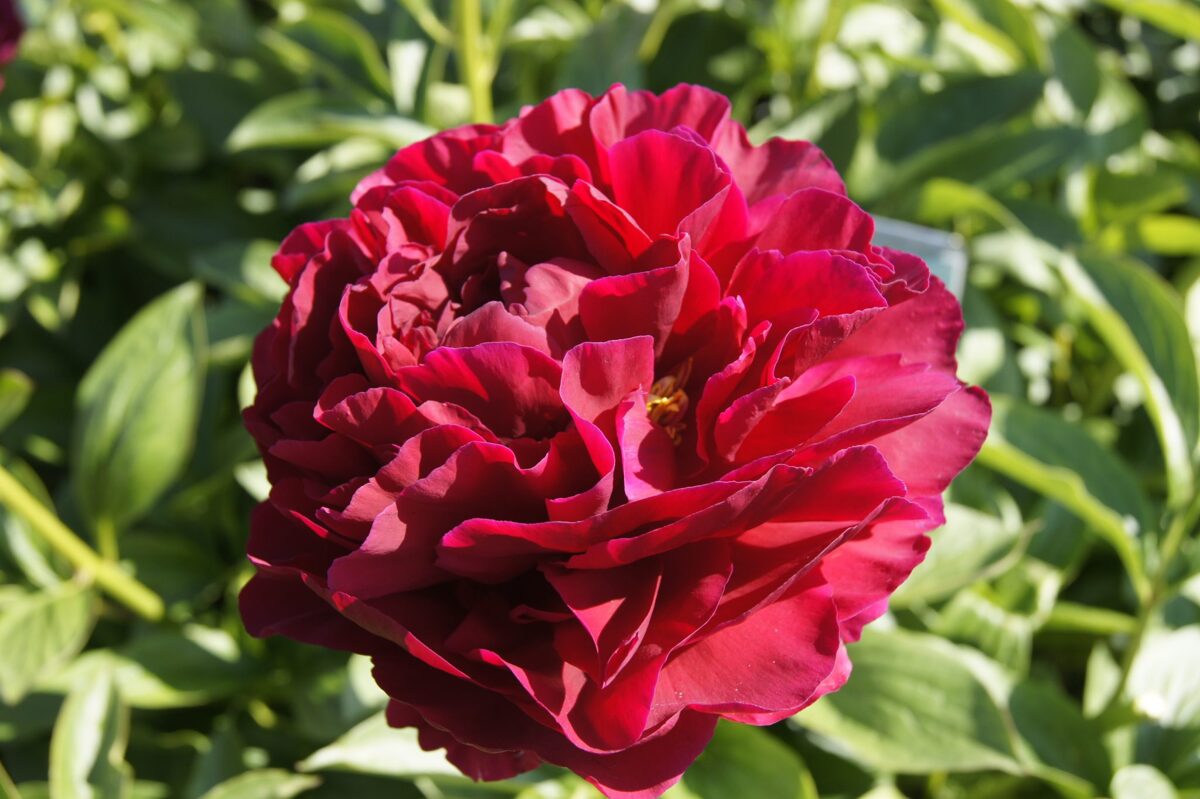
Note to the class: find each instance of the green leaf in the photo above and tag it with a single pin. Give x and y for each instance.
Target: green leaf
(968, 16)
(243, 269)
(608, 53)
(1126, 197)
(40, 633)
(1061, 461)
(1055, 729)
(311, 119)
(748, 761)
(1142, 782)
(1140, 317)
(372, 747)
(341, 45)
(270, 783)
(1164, 682)
(138, 407)
(16, 389)
(1179, 17)
(29, 551)
(963, 550)
(1075, 67)
(185, 668)
(87, 750)
(1165, 234)
(913, 704)
(911, 124)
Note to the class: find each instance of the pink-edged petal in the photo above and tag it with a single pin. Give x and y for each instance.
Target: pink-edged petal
(773, 661)
(490, 323)
(612, 237)
(655, 158)
(931, 451)
(923, 329)
(776, 286)
(648, 457)
(864, 571)
(816, 219)
(597, 376)
(777, 166)
(619, 113)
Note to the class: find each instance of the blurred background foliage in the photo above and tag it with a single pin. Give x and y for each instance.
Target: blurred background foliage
(153, 151)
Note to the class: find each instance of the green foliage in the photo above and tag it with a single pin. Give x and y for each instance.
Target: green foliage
(153, 151)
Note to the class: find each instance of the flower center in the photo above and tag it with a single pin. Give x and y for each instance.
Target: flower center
(668, 402)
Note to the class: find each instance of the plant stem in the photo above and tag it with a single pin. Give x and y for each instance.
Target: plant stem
(1182, 524)
(106, 573)
(106, 539)
(473, 59)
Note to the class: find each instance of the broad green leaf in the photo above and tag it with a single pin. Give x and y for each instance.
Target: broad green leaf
(40, 633)
(913, 704)
(168, 669)
(16, 389)
(242, 268)
(1124, 198)
(27, 550)
(1141, 782)
(87, 750)
(1140, 317)
(748, 761)
(309, 118)
(1075, 67)
(331, 175)
(1052, 724)
(1179, 17)
(911, 124)
(967, 15)
(1061, 461)
(270, 783)
(978, 617)
(138, 407)
(1164, 682)
(1165, 234)
(373, 747)
(341, 48)
(963, 550)
(608, 53)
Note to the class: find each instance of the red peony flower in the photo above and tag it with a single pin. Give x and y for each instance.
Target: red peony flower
(11, 30)
(597, 426)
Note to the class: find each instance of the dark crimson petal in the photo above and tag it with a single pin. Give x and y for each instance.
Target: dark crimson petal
(485, 720)
(512, 388)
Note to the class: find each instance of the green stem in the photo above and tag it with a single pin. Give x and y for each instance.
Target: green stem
(107, 574)
(1181, 525)
(7, 787)
(473, 59)
(106, 539)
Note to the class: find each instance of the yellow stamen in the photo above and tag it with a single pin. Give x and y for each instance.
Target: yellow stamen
(669, 403)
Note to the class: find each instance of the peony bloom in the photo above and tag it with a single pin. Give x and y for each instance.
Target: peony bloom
(597, 426)
(11, 30)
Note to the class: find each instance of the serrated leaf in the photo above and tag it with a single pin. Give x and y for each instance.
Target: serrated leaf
(40, 633)
(87, 750)
(895, 716)
(310, 118)
(269, 783)
(138, 407)
(747, 761)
